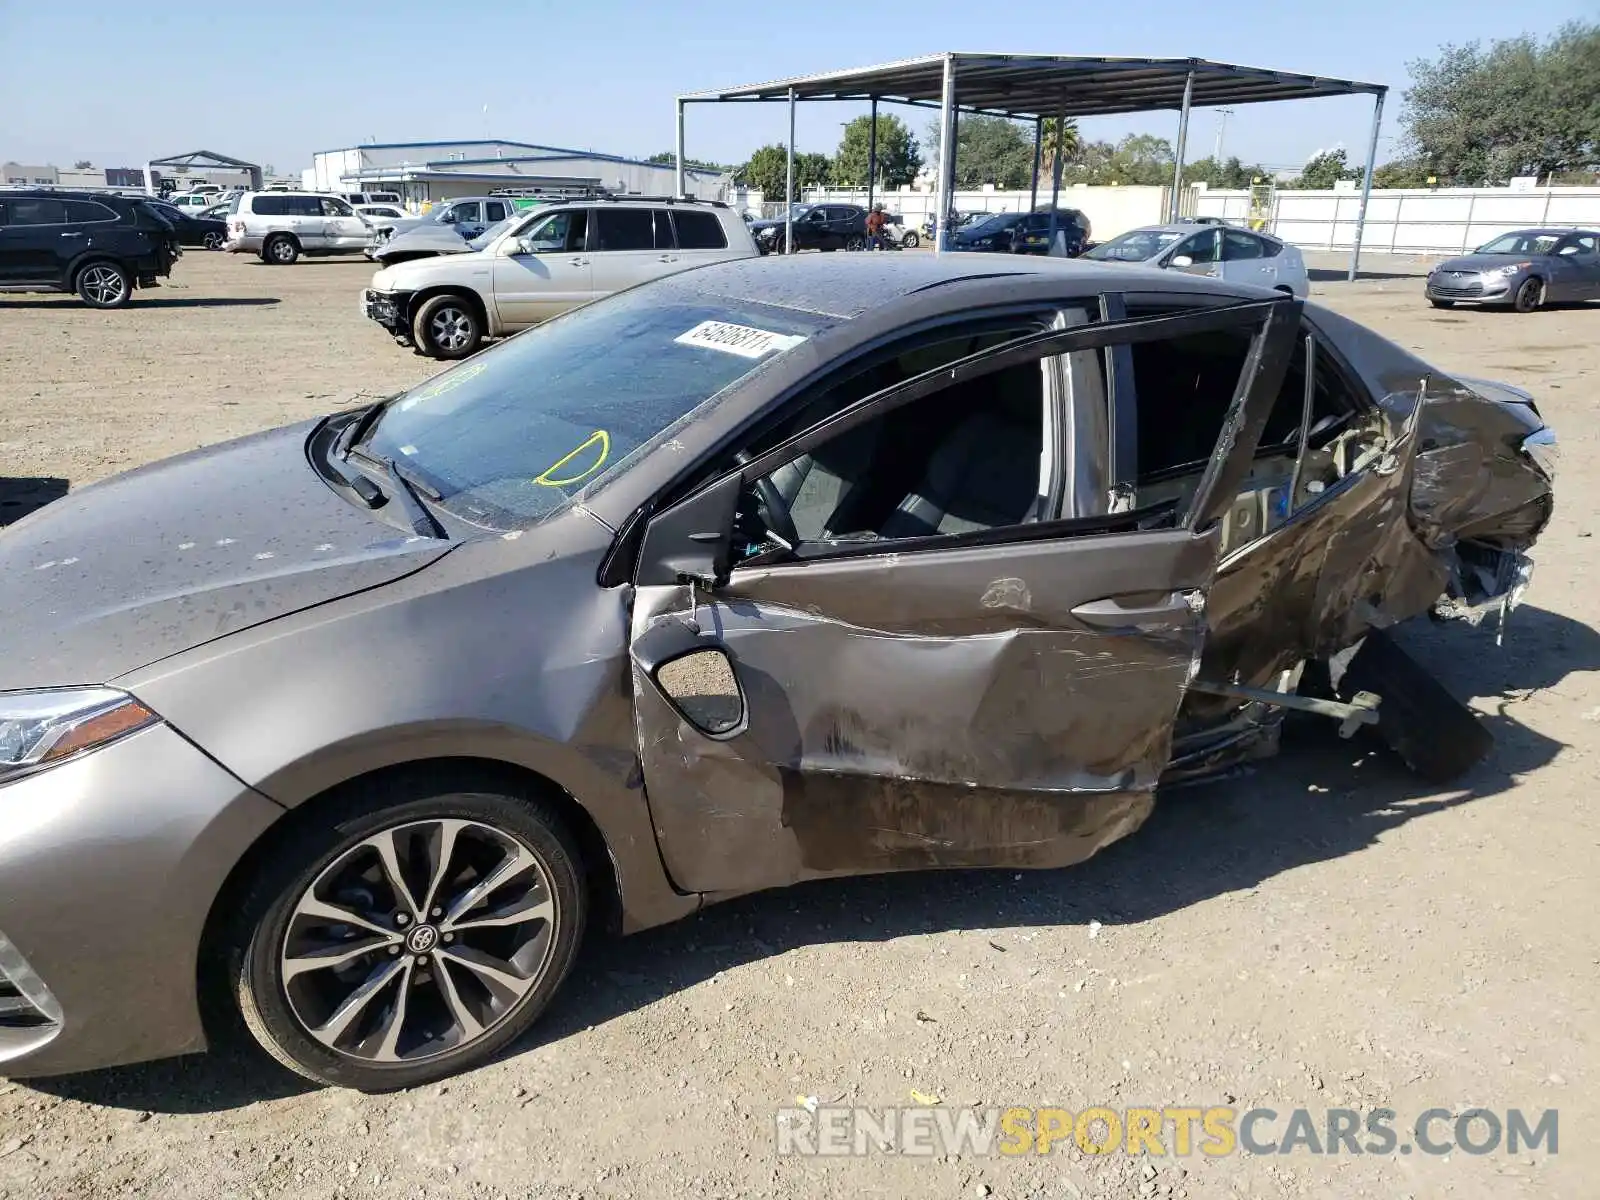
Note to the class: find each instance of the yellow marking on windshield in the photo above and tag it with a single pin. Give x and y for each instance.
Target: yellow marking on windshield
(548, 476)
(450, 381)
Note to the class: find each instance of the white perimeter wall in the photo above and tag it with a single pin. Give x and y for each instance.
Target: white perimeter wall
(1446, 221)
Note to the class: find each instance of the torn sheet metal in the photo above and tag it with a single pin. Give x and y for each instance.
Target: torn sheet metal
(932, 718)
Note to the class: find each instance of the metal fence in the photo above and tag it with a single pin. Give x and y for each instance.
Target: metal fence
(1443, 221)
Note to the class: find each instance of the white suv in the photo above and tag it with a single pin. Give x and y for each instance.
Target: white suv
(281, 226)
(541, 264)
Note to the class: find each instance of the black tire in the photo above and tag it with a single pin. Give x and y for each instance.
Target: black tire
(280, 250)
(1530, 296)
(273, 1006)
(911, 241)
(1441, 303)
(213, 240)
(447, 326)
(855, 242)
(103, 284)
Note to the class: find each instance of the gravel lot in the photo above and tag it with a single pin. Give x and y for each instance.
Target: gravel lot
(1321, 931)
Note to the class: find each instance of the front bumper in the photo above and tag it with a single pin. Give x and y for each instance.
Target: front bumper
(390, 309)
(1476, 289)
(109, 865)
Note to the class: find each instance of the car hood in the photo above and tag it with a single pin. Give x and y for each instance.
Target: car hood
(438, 239)
(1482, 262)
(164, 558)
(420, 272)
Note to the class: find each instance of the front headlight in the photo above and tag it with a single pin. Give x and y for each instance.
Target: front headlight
(1510, 270)
(1540, 445)
(39, 729)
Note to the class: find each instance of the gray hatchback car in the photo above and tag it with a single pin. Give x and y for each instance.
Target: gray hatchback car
(768, 571)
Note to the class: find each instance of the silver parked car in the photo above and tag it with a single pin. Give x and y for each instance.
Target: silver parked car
(538, 265)
(774, 570)
(1235, 255)
(1523, 270)
(281, 226)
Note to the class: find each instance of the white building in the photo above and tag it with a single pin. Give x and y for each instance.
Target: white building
(424, 172)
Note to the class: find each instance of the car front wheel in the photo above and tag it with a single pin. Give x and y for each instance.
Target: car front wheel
(447, 327)
(391, 944)
(1529, 296)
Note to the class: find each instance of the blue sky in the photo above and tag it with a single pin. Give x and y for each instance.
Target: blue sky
(274, 80)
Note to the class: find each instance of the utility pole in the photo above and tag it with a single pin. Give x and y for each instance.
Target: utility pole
(1222, 128)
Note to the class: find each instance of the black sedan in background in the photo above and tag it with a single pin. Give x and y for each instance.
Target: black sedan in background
(192, 230)
(1024, 233)
(1524, 270)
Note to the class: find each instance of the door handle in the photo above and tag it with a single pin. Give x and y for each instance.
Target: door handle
(70, 234)
(1111, 612)
(579, 262)
(668, 258)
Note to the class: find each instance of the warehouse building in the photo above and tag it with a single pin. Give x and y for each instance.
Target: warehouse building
(426, 172)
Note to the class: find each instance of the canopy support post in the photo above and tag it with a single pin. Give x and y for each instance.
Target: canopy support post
(1182, 148)
(947, 155)
(1366, 187)
(788, 199)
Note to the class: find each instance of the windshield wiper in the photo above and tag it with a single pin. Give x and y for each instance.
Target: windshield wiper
(410, 488)
(357, 429)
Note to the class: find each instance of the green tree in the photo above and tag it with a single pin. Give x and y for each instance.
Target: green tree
(1323, 169)
(668, 158)
(1521, 107)
(1402, 173)
(1231, 173)
(988, 150)
(899, 156)
(1066, 142)
(768, 168)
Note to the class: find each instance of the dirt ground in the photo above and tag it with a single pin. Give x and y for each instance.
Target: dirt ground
(1322, 931)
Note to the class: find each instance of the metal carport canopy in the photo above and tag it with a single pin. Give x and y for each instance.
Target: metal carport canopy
(1039, 86)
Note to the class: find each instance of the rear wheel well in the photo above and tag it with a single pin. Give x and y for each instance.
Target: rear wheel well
(217, 1011)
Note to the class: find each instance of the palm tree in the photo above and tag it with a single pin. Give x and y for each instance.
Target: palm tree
(1066, 141)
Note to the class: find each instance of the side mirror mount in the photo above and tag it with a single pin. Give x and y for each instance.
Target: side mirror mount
(1182, 260)
(692, 540)
(448, 217)
(693, 672)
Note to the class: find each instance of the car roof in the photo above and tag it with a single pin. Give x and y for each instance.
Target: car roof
(54, 193)
(846, 285)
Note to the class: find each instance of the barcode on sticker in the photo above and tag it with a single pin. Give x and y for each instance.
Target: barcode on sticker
(743, 340)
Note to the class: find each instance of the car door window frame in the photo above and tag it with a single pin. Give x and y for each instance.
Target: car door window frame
(1236, 236)
(1275, 324)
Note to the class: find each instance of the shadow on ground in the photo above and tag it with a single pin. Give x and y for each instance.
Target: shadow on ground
(1321, 799)
(21, 496)
(1340, 274)
(143, 300)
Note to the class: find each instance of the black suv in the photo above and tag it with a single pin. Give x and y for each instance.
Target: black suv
(1024, 233)
(816, 227)
(97, 244)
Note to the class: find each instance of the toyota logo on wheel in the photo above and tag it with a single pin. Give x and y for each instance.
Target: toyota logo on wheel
(422, 939)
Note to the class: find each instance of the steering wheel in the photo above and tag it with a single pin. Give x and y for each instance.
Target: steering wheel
(771, 507)
(774, 512)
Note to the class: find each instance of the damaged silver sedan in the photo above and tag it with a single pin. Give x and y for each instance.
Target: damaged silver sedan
(768, 571)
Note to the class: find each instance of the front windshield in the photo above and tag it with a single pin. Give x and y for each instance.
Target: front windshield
(1138, 245)
(510, 436)
(1521, 243)
(485, 239)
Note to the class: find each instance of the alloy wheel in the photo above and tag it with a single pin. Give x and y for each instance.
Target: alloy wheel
(419, 940)
(103, 285)
(213, 241)
(451, 329)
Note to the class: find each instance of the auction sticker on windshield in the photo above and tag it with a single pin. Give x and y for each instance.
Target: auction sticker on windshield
(743, 340)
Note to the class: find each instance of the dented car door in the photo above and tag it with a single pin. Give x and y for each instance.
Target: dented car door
(999, 697)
